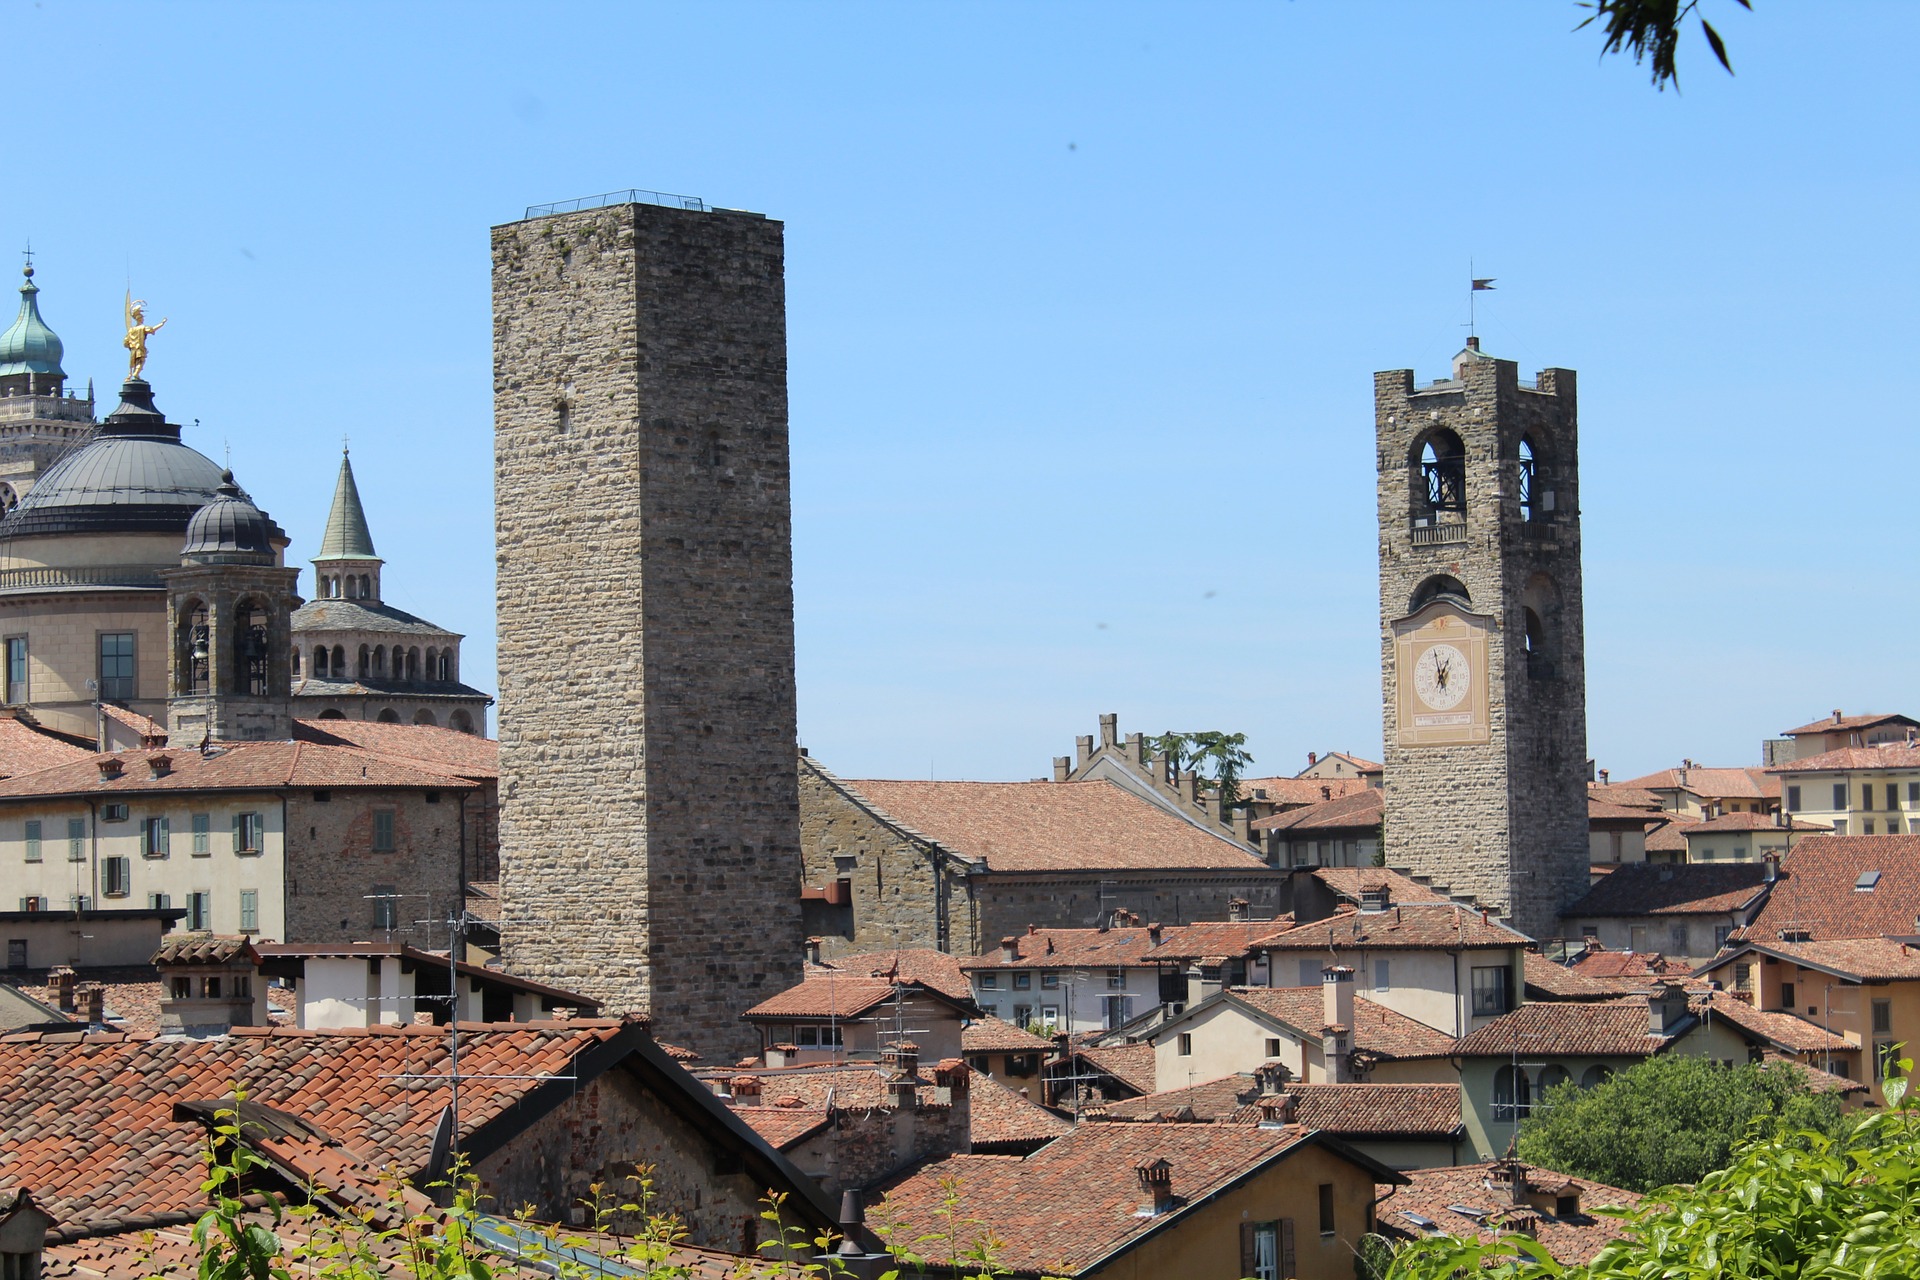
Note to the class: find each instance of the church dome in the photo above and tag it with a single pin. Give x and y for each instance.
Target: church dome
(133, 476)
(28, 346)
(229, 525)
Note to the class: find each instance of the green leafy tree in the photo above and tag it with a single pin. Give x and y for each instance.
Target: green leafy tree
(1650, 29)
(1218, 757)
(1788, 1206)
(1669, 1119)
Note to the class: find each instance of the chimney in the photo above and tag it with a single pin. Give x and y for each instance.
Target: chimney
(850, 1256)
(159, 766)
(63, 980)
(1473, 342)
(1109, 729)
(1770, 861)
(1243, 826)
(1277, 1109)
(1153, 933)
(93, 1004)
(1336, 990)
(1666, 1008)
(813, 950)
(746, 1090)
(1514, 1174)
(1202, 982)
(1603, 777)
(1837, 717)
(1313, 758)
(1237, 909)
(111, 768)
(1009, 949)
(1062, 768)
(1326, 793)
(1376, 897)
(1156, 1187)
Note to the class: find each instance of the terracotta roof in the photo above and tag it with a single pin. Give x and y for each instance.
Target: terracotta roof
(1817, 1080)
(1718, 784)
(1361, 811)
(784, 1126)
(130, 994)
(934, 969)
(25, 749)
(1052, 826)
(1361, 764)
(1573, 1240)
(1816, 890)
(144, 726)
(1669, 837)
(466, 755)
(1133, 1065)
(1347, 882)
(483, 900)
(1867, 959)
(1072, 1203)
(826, 994)
(1890, 755)
(849, 1086)
(1547, 980)
(991, 1035)
(1658, 889)
(239, 766)
(1442, 925)
(1605, 1029)
(1618, 814)
(1126, 947)
(1348, 1111)
(1751, 822)
(1377, 1029)
(205, 948)
(89, 1119)
(1297, 791)
(1000, 1116)
(1623, 795)
(1638, 967)
(1782, 1030)
(1845, 724)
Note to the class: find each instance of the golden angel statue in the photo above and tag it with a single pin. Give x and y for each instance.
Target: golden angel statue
(138, 331)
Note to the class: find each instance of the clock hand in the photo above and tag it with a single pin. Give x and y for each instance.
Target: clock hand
(1440, 672)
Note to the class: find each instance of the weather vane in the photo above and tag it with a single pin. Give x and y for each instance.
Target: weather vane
(138, 331)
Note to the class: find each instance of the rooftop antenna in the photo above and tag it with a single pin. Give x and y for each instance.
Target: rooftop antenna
(1477, 283)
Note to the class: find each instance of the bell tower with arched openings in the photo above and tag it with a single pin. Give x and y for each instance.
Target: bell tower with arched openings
(1483, 661)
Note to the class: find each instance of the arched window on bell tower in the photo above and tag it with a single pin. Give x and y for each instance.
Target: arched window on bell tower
(1438, 476)
(1531, 487)
(1539, 621)
(252, 645)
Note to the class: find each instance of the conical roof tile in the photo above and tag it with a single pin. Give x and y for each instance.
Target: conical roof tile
(347, 536)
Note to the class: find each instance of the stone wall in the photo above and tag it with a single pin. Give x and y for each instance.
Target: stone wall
(1505, 820)
(649, 819)
(1009, 902)
(859, 1148)
(332, 865)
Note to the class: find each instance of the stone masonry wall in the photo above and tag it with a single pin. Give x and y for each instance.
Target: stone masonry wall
(1504, 821)
(649, 817)
(1009, 903)
(332, 865)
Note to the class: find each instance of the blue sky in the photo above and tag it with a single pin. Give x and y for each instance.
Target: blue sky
(1084, 304)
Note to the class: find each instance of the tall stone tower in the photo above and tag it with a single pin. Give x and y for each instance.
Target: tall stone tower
(1483, 660)
(649, 809)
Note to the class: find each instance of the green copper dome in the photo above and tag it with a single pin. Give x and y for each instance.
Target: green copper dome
(347, 536)
(28, 346)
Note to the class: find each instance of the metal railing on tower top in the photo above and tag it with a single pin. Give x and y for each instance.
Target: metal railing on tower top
(619, 197)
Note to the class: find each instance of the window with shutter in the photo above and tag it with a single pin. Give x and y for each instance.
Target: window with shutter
(1287, 1271)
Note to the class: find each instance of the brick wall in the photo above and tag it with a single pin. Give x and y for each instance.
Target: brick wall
(1505, 820)
(332, 865)
(649, 817)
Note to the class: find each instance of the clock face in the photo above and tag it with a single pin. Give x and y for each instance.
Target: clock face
(1440, 677)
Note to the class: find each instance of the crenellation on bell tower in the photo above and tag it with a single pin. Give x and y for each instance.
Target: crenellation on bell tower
(1482, 650)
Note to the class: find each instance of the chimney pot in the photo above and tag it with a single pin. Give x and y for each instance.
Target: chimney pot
(1156, 1184)
(1153, 933)
(813, 950)
(63, 981)
(1313, 758)
(1009, 949)
(93, 1000)
(110, 768)
(1237, 909)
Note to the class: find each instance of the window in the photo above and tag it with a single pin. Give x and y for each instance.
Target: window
(1743, 977)
(1839, 826)
(1893, 796)
(806, 1037)
(246, 832)
(1022, 1015)
(202, 826)
(200, 911)
(249, 911)
(116, 876)
(33, 840)
(182, 988)
(160, 901)
(1883, 1017)
(113, 813)
(1326, 1208)
(1273, 1046)
(1049, 1017)
(386, 906)
(1049, 982)
(16, 953)
(1786, 995)
(76, 839)
(1913, 793)
(1116, 979)
(1839, 795)
(1512, 1094)
(989, 982)
(34, 903)
(1186, 1045)
(16, 669)
(1886, 1059)
(153, 837)
(1720, 935)
(1116, 1010)
(1310, 973)
(1023, 982)
(383, 831)
(210, 987)
(116, 666)
(1492, 991)
(1266, 1249)
(1382, 975)
(1793, 799)
(1866, 827)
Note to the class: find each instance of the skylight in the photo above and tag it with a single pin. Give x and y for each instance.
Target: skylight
(1425, 1224)
(1867, 880)
(1468, 1211)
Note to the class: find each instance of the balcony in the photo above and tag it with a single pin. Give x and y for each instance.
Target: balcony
(1440, 533)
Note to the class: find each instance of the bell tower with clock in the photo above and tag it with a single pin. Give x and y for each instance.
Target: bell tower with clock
(1483, 662)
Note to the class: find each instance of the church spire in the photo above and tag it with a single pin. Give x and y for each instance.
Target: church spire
(29, 351)
(347, 567)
